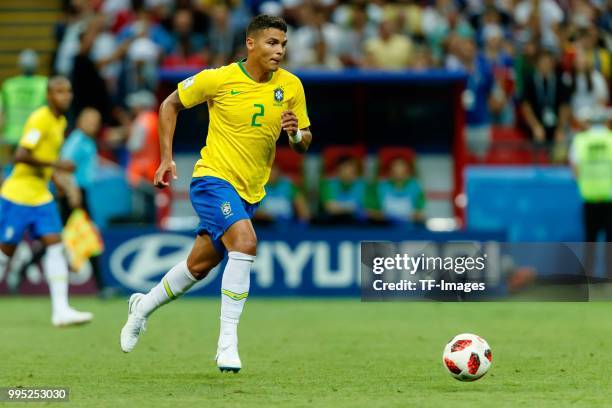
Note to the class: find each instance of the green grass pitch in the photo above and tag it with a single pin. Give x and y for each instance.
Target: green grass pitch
(314, 353)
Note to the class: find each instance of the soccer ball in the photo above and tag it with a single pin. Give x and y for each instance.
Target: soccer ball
(467, 357)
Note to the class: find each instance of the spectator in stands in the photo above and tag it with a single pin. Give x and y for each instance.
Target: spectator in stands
(545, 103)
(591, 159)
(146, 43)
(80, 148)
(483, 12)
(188, 49)
(539, 20)
(182, 32)
(344, 196)
(321, 58)
(68, 35)
(389, 49)
(478, 95)
(422, 59)
(317, 42)
(501, 103)
(411, 18)
(89, 87)
(400, 198)
(112, 8)
(224, 39)
(144, 26)
(597, 54)
(439, 22)
(589, 88)
(283, 202)
(143, 145)
(19, 97)
(106, 55)
(354, 36)
(604, 21)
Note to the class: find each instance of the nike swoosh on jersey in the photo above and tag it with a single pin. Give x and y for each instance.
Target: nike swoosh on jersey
(235, 92)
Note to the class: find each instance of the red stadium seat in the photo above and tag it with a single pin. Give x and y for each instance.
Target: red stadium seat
(505, 155)
(506, 134)
(331, 155)
(387, 154)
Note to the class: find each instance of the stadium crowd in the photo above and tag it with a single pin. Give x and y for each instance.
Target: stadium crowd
(532, 65)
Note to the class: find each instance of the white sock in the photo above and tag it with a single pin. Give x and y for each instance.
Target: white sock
(234, 292)
(177, 281)
(56, 272)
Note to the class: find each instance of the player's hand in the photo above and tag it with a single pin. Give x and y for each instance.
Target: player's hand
(65, 165)
(289, 122)
(164, 171)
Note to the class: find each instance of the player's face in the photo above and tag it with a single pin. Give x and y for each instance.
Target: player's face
(268, 48)
(60, 95)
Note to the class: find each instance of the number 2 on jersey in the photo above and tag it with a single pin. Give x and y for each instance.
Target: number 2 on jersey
(256, 114)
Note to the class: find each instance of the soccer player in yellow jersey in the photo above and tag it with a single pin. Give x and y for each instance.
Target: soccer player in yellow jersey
(250, 102)
(26, 204)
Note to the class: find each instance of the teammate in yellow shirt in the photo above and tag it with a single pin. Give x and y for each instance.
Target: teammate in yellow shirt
(26, 204)
(250, 102)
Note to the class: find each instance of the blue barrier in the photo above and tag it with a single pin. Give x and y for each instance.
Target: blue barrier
(109, 196)
(305, 262)
(347, 76)
(534, 204)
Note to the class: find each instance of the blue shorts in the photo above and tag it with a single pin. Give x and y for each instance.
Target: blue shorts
(218, 206)
(16, 219)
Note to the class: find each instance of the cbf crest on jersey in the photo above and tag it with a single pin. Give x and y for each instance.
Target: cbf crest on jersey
(279, 96)
(226, 209)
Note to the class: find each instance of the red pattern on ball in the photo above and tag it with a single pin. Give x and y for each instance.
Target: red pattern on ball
(460, 345)
(488, 355)
(473, 364)
(451, 366)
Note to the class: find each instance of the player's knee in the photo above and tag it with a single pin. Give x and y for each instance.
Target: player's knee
(199, 269)
(246, 245)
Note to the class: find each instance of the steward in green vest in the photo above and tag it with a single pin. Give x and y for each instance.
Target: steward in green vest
(591, 158)
(20, 96)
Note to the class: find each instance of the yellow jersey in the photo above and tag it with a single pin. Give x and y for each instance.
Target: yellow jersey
(43, 135)
(245, 123)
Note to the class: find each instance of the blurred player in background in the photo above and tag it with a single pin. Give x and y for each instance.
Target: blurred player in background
(20, 96)
(26, 204)
(249, 102)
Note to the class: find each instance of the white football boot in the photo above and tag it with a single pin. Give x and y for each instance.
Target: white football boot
(70, 317)
(227, 358)
(134, 326)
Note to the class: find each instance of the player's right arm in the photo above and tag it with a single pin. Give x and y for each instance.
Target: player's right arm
(24, 155)
(190, 92)
(168, 112)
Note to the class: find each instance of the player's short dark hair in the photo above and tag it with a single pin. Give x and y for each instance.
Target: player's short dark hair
(56, 80)
(263, 21)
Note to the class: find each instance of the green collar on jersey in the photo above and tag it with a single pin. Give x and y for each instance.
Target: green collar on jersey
(241, 65)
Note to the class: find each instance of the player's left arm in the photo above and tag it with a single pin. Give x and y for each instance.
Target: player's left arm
(168, 113)
(300, 142)
(295, 120)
